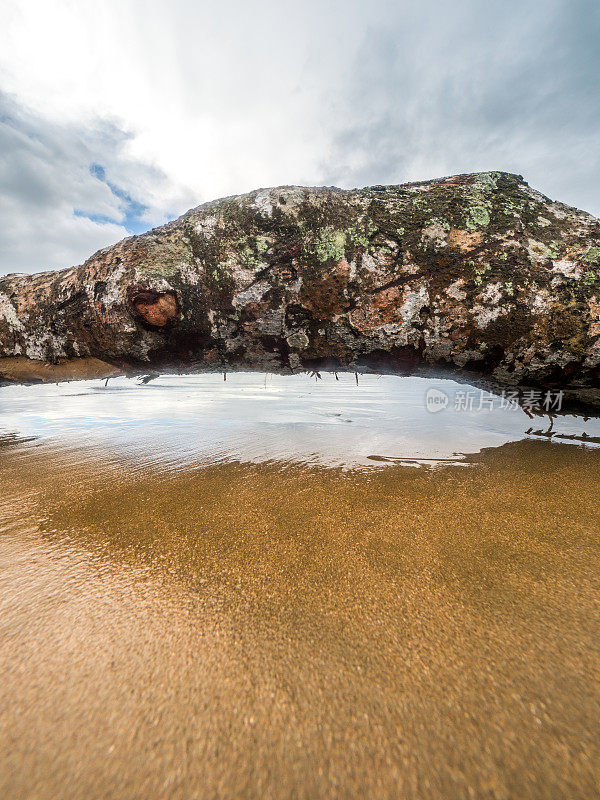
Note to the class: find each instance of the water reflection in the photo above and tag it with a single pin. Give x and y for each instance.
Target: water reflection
(179, 421)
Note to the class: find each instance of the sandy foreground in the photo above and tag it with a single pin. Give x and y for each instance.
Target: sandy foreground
(269, 631)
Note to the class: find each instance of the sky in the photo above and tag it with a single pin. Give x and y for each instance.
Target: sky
(116, 116)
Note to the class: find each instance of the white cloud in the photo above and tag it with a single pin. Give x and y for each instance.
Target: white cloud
(56, 202)
(188, 100)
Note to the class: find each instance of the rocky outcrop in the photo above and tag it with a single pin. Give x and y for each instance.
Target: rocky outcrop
(474, 275)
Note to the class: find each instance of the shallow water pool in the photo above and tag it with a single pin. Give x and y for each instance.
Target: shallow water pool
(274, 587)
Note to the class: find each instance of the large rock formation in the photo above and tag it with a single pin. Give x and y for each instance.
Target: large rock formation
(478, 275)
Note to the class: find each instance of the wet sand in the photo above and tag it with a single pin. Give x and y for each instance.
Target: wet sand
(19, 369)
(288, 631)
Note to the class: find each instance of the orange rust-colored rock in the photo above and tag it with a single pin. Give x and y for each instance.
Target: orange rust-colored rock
(463, 240)
(155, 308)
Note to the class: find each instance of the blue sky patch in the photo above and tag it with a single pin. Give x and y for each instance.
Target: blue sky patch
(133, 211)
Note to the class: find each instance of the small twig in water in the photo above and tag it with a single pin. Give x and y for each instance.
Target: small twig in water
(150, 377)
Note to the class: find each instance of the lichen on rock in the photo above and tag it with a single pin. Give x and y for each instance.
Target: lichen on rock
(472, 274)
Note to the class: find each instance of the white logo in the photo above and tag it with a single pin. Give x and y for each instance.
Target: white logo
(435, 400)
